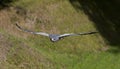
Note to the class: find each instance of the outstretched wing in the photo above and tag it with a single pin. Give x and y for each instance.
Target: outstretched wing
(73, 34)
(40, 33)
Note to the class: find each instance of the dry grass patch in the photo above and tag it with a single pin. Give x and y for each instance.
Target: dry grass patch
(5, 46)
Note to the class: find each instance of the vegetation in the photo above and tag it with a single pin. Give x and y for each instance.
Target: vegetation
(20, 50)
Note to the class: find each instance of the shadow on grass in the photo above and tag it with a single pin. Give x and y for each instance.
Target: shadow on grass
(106, 16)
(5, 3)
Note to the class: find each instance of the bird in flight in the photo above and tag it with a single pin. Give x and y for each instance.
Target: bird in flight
(53, 37)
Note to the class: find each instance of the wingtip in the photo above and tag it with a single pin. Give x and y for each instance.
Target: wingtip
(16, 23)
(94, 32)
(18, 26)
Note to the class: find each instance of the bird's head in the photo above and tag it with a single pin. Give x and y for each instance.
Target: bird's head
(54, 38)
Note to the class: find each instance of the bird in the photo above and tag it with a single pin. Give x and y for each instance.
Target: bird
(54, 37)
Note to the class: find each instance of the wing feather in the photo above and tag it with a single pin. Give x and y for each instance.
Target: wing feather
(73, 34)
(40, 33)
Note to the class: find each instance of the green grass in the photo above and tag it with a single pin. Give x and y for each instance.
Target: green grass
(29, 51)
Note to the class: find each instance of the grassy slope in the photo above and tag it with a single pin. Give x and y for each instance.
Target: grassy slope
(26, 51)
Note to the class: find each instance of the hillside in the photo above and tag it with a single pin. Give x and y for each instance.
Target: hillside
(21, 50)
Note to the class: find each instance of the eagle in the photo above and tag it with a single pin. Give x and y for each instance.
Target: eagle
(54, 37)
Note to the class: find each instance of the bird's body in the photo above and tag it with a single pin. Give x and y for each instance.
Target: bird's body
(54, 37)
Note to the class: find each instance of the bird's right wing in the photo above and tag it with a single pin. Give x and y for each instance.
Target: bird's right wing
(76, 34)
(40, 33)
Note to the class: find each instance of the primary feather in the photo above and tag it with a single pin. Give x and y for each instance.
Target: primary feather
(40, 33)
(73, 34)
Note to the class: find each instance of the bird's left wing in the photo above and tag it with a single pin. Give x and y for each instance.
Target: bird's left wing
(40, 33)
(73, 34)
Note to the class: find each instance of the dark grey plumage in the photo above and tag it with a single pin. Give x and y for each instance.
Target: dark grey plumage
(54, 37)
